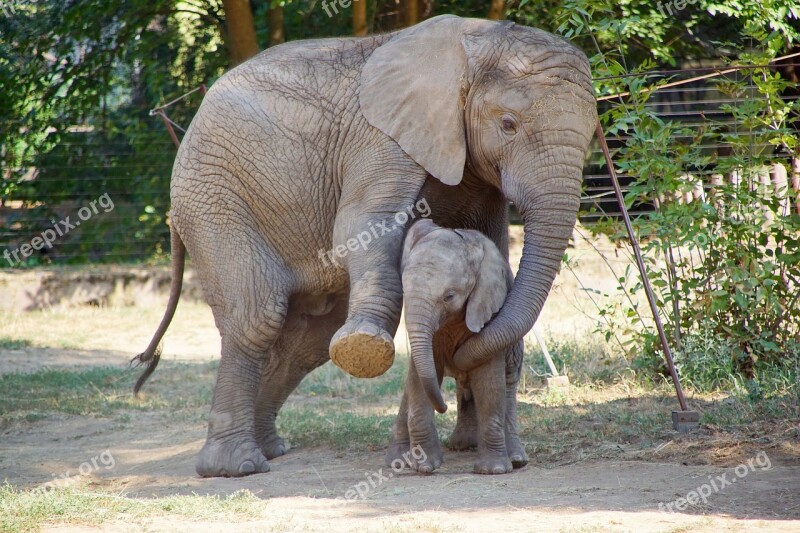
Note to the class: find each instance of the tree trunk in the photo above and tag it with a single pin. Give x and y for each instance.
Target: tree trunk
(410, 12)
(425, 8)
(241, 30)
(277, 33)
(359, 18)
(497, 11)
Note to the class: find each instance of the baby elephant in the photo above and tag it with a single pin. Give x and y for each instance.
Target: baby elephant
(454, 281)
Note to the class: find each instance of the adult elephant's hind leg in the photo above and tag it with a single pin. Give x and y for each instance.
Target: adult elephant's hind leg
(302, 347)
(231, 448)
(400, 445)
(249, 304)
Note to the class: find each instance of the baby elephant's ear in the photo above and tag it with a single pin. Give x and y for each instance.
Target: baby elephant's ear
(416, 233)
(491, 282)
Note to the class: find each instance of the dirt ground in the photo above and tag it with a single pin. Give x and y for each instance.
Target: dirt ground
(154, 458)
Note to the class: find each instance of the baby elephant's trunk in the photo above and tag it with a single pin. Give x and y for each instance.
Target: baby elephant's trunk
(420, 334)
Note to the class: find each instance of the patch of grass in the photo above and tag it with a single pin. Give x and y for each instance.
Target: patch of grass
(334, 428)
(9, 343)
(100, 391)
(709, 364)
(24, 511)
(626, 419)
(739, 411)
(331, 381)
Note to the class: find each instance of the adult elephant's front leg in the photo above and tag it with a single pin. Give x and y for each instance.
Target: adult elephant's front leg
(496, 222)
(376, 208)
(514, 446)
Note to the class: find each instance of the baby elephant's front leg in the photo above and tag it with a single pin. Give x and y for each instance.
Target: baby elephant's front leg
(426, 450)
(489, 389)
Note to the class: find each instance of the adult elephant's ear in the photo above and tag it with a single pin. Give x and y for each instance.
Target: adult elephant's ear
(413, 89)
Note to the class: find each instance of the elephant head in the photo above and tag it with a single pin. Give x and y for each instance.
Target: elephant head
(448, 275)
(512, 104)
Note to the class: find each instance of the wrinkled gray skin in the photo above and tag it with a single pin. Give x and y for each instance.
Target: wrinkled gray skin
(454, 281)
(309, 144)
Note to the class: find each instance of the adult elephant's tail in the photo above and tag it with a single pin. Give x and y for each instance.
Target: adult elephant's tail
(152, 354)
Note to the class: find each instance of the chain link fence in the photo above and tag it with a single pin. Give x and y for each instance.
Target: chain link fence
(132, 167)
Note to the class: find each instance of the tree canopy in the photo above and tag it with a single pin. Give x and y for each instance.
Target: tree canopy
(100, 65)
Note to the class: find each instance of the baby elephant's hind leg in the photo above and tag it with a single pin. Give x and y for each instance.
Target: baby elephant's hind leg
(400, 446)
(465, 434)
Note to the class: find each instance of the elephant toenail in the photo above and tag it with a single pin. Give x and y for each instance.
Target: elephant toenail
(247, 467)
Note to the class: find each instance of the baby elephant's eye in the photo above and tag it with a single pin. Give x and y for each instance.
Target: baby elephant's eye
(449, 295)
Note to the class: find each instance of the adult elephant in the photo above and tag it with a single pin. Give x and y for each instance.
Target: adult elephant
(310, 144)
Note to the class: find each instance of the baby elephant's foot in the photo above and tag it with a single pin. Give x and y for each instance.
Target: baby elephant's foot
(516, 451)
(231, 458)
(273, 447)
(493, 464)
(427, 457)
(362, 349)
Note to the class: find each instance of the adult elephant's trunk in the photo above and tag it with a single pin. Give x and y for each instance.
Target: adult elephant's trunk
(419, 322)
(547, 196)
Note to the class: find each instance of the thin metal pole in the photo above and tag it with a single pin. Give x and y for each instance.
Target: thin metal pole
(170, 129)
(178, 99)
(640, 263)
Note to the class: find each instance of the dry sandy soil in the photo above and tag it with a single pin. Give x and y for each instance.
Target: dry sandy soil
(154, 458)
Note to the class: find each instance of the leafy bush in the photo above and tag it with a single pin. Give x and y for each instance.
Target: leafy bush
(721, 245)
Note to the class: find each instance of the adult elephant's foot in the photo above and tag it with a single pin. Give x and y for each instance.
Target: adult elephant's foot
(231, 458)
(463, 438)
(362, 349)
(426, 457)
(273, 447)
(493, 464)
(398, 455)
(516, 451)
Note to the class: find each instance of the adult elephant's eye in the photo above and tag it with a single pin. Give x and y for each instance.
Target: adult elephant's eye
(509, 124)
(448, 297)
